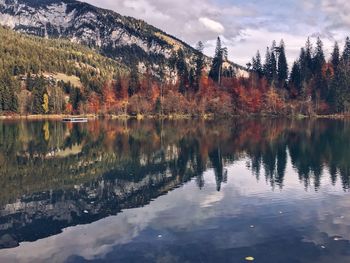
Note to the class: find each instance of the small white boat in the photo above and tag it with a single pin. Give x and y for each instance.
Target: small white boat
(75, 119)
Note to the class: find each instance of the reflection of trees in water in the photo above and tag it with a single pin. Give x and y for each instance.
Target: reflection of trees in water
(106, 166)
(74, 154)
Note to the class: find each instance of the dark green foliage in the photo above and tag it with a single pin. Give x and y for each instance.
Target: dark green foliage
(346, 52)
(282, 69)
(8, 99)
(38, 91)
(182, 71)
(340, 89)
(270, 66)
(257, 65)
(219, 57)
(335, 59)
(134, 83)
(295, 79)
(200, 63)
(75, 97)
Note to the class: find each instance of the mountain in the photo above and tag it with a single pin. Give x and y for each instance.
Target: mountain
(126, 39)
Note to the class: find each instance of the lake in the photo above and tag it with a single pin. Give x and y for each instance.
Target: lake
(240, 190)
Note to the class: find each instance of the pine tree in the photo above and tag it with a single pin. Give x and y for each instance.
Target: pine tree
(270, 66)
(346, 52)
(318, 63)
(220, 56)
(182, 71)
(75, 98)
(295, 79)
(319, 58)
(340, 89)
(199, 65)
(335, 59)
(308, 54)
(134, 83)
(257, 66)
(267, 63)
(282, 70)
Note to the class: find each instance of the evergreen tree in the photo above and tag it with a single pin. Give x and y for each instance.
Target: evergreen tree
(335, 59)
(295, 78)
(266, 67)
(319, 58)
(134, 83)
(182, 71)
(270, 67)
(340, 89)
(75, 97)
(199, 65)
(346, 52)
(318, 63)
(8, 98)
(282, 71)
(304, 66)
(220, 56)
(38, 95)
(308, 54)
(273, 62)
(257, 65)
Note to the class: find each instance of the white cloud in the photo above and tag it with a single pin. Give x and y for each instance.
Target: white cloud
(212, 25)
(245, 26)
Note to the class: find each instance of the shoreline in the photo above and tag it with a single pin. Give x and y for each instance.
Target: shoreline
(166, 117)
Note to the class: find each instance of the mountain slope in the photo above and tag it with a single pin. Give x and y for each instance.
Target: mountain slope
(123, 38)
(112, 33)
(21, 55)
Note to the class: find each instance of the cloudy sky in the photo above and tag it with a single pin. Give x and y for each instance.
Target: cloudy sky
(244, 25)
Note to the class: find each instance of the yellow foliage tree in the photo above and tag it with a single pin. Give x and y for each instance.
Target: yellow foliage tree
(46, 103)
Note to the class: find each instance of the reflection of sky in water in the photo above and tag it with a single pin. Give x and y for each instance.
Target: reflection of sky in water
(246, 218)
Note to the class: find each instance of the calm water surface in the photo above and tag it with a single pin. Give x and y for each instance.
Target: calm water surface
(186, 191)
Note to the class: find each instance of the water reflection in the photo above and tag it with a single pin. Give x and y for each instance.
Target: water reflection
(55, 175)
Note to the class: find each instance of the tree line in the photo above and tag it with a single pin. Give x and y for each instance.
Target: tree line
(42, 76)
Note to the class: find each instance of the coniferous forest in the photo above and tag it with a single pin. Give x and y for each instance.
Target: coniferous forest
(55, 76)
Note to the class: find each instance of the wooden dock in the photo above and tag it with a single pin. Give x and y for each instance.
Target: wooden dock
(75, 120)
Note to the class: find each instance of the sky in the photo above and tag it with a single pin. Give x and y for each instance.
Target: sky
(244, 26)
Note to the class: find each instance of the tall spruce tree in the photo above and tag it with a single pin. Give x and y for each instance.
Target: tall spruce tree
(308, 53)
(335, 59)
(270, 66)
(257, 65)
(266, 67)
(219, 57)
(199, 65)
(134, 83)
(182, 71)
(346, 52)
(295, 81)
(340, 89)
(318, 63)
(319, 58)
(273, 62)
(282, 70)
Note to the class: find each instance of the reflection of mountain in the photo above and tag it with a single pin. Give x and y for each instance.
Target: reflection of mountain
(55, 175)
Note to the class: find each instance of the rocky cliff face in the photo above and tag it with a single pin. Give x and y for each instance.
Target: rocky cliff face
(120, 37)
(123, 38)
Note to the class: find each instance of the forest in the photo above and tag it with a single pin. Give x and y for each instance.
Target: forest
(55, 76)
